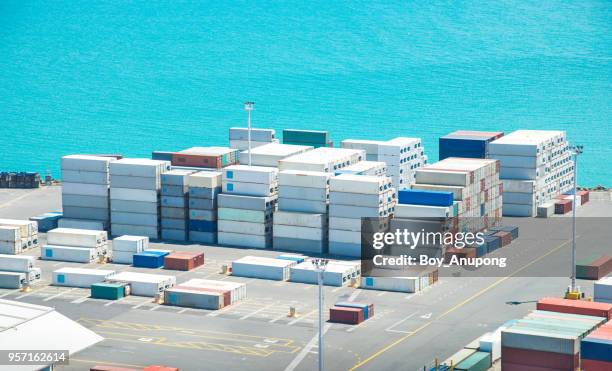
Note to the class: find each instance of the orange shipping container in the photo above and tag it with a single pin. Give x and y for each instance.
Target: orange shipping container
(183, 260)
(587, 308)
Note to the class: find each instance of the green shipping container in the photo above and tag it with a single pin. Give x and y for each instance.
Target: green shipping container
(479, 361)
(109, 291)
(315, 145)
(321, 138)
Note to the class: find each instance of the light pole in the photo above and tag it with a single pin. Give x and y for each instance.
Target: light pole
(320, 265)
(248, 106)
(576, 151)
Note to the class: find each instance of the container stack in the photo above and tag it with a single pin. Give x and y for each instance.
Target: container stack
(239, 138)
(144, 284)
(322, 159)
(466, 144)
(85, 189)
(546, 340)
(17, 236)
(377, 168)
(603, 290)
(19, 180)
(204, 186)
(263, 268)
(535, 167)
(174, 205)
(246, 206)
(205, 294)
(47, 221)
(80, 277)
(269, 154)
(301, 222)
(353, 197)
(135, 193)
(75, 245)
(126, 246)
(206, 157)
(402, 156)
(17, 271)
(596, 349)
(336, 273)
(314, 138)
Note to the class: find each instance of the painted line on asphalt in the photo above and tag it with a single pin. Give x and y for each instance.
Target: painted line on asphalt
(304, 352)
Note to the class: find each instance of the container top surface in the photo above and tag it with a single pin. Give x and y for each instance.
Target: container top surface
(179, 172)
(253, 129)
(529, 137)
(90, 157)
(475, 132)
(134, 276)
(153, 253)
(207, 151)
(359, 178)
(322, 155)
(15, 222)
(196, 290)
(87, 232)
(197, 282)
(140, 161)
(364, 165)
(347, 309)
(605, 281)
(331, 267)
(458, 163)
(279, 149)
(257, 260)
(207, 174)
(304, 131)
(108, 284)
(305, 173)
(97, 272)
(576, 303)
(126, 237)
(258, 169)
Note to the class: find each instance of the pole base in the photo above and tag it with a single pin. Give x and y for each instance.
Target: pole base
(573, 295)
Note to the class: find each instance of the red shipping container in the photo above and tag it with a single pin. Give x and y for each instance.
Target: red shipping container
(587, 308)
(183, 260)
(592, 365)
(505, 238)
(112, 368)
(584, 196)
(601, 267)
(507, 366)
(159, 368)
(466, 252)
(540, 359)
(351, 316)
(184, 159)
(563, 206)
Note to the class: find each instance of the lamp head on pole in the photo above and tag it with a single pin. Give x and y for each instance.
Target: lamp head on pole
(248, 106)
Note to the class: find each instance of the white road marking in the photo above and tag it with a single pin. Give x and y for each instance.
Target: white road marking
(354, 295)
(80, 300)
(296, 361)
(141, 303)
(298, 319)
(114, 301)
(258, 311)
(278, 318)
(390, 328)
(59, 294)
(8, 293)
(183, 310)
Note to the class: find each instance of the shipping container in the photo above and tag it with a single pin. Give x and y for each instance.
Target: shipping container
(238, 291)
(423, 197)
(479, 361)
(149, 259)
(602, 290)
(69, 253)
(350, 316)
(197, 297)
(12, 280)
(14, 263)
(183, 260)
(368, 309)
(143, 284)
(76, 237)
(594, 269)
(80, 277)
(131, 243)
(576, 307)
(263, 268)
(109, 290)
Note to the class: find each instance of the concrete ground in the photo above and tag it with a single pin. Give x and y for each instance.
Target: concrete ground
(407, 332)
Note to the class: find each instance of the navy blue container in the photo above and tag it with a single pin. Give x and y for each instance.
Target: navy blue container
(202, 225)
(596, 349)
(149, 259)
(481, 250)
(514, 231)
(423, 197)
(463, 146)
(161, 155)
(493, 243)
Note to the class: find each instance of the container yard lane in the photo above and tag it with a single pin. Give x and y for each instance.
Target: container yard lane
(407, 331)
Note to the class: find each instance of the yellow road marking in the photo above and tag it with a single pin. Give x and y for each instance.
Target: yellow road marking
(486, 289)
(81, 360)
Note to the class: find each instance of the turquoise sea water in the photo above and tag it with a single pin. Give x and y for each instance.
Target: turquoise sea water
(133, 76)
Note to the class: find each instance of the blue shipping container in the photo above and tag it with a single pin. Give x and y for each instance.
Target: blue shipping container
(492, 243)
(161, 155)
(202, 225)
(514, 231)
(423, 197)
(149, 259)
(292, 258)
(596, 349)
(481, 250)
(463, 146)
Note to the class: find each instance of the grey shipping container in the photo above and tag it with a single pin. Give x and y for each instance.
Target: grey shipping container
(174, 234)
(171, 201)
(202, 203)
(135, 219)
(100, 202)
(174, 212)
(135, 182)
(200, 192)
(134, 206)
(86, 213)
(12, 280)
(305, 206)
(174, 190)
(299, 245)
(89, 177)
(203, 237)
(174, 223)
(246, 202)
(304, 193)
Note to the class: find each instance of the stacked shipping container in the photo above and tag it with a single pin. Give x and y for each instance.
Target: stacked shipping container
(353, 197)
(401, 155)
(17, 271)
(205, 294)
(250, 224)
(75, 245)
(603, 290)
(536, 166)
(301, 222)
(312, 138)
(206, 157)
(270, 154)
(204, 186)
(467, 144)
(17, 236)
(239, 138)
(322, 159)
(125, 247)
(85, 189)
(174, 205)
(135, 186)
(596, 349)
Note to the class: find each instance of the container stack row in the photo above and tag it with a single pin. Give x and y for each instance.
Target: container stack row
(322, 159)
(16, 236)
(353, 197)
(270, 154)
(239, 138)
(206, 157)
(175, 205)
(75, 245)
(124, 248)
(535, 167)
(135, 196)
(596, 349)
(204, 186)
(17, 271)
(246, 206)
(314, 138)
(466, 144)
(301, 222)
(401, 155)
(85, 191)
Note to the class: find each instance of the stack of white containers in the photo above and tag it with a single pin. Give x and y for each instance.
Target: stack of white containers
(323, 159)
(125, 247)
(337, 273)
(377, 168)
(174, 204)
(17, 236)
(402, 156)
(204, 186)
(246, 206)
(85, 191)
(353, 197)
(300, 224)
(270, 154)
(135, 186)
(17, 271)
(262, 267)
(75, 245)
(536, 166)
(80, 277)
(239, 138)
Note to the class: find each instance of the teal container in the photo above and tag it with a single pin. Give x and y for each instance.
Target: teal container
(108, 291)
(305, 137)
(479, 361)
